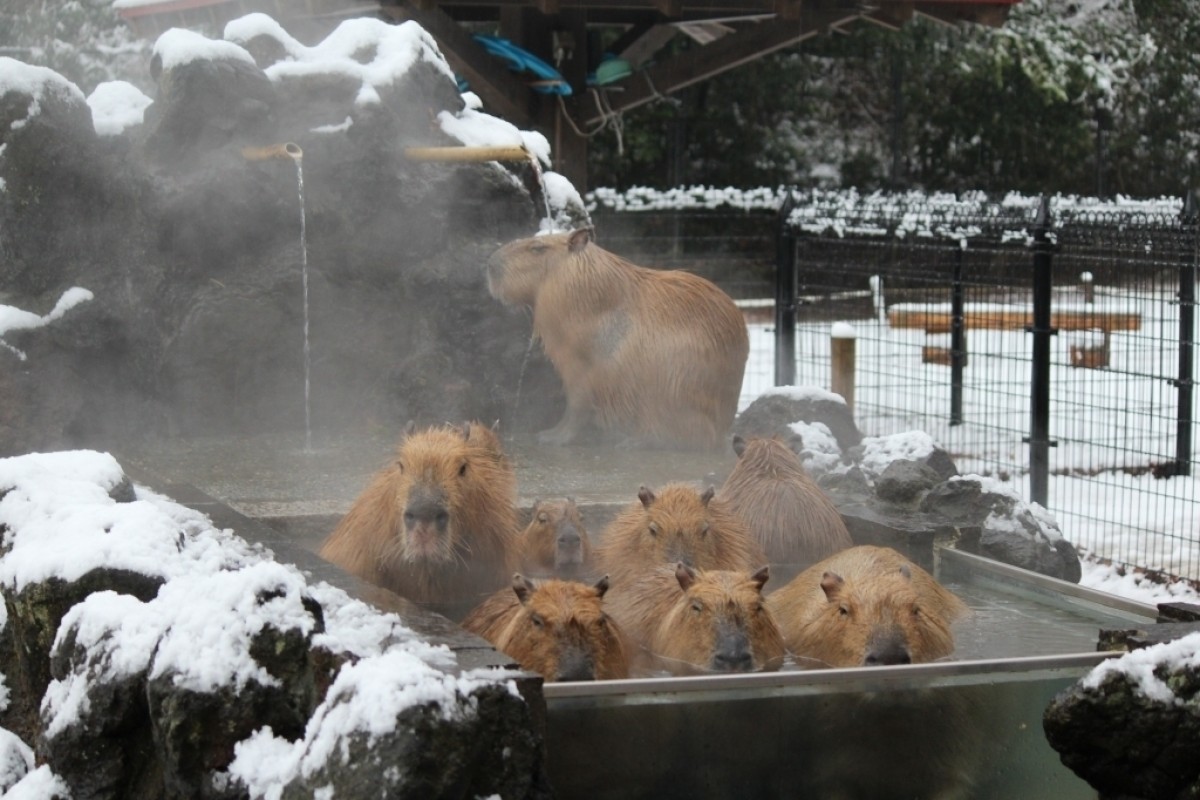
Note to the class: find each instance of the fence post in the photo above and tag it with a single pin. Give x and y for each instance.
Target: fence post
(958, 338)
(1039, 423)
(842, 341)
(785, 296)
(1187, 338)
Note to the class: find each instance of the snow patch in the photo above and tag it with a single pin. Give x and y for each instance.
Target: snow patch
(116, 107)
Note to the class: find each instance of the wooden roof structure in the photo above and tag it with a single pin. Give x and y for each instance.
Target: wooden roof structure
(723, 35)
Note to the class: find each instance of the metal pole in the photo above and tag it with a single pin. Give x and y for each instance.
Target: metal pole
(958, 339)
(1187, 339)
(785, 296)
(1039, 423)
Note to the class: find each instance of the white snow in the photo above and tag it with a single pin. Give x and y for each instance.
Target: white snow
(842, 330)
(879, 451)
(16, 759)
(1141, 665)
(477, 129)
(116, 107)
(38, 784)
(179, 46)
(37, 82)
(813, 393)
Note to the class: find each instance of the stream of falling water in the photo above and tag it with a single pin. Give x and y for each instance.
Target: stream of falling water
(304, 282)
(521, 376)
(537, 173)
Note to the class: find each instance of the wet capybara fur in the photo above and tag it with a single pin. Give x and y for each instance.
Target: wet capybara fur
(556, 628)
(555, 542)
(689, 620)
(679, 523)
(654, 355)
(437, 525)
(865, 606)
(788, 514)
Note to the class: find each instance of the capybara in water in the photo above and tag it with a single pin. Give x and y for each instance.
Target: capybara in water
(437, 525)
(556, 628)
(696, 620)
(657, 355)
(865, 606)
(788, 514)
(677, 524)
(555, 542)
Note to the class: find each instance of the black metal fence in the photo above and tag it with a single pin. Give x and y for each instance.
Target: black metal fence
(1055, 353)
(1046, 342)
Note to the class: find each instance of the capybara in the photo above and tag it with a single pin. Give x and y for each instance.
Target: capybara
(656, 355)
(438, 524)
(555, 542)
(677, 524)
(556, 628)
(694, 620)
(865, 606)
(788, 514)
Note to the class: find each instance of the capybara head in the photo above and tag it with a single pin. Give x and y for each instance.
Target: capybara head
(864, 606)
(786, 511)
(555, 541)
(719, 623)
(438, 524)
(516, 270)
(561, 631)
(678, 523)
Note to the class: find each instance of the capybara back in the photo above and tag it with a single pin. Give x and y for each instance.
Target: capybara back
(787, 513)
(438, 524)
(655, 355)
(689, 620)
(678, 523)
(866, 606)
(555, 542)
(556, 628)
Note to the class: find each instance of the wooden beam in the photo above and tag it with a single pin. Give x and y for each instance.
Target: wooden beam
(502, 94)
(701, 63)
(641, 42)
(891, 16)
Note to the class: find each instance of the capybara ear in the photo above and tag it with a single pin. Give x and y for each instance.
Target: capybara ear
(906, 572)
(646, 495)
(410, 427)
(739, 445)
(522, 587)
(831, 584)
(579, 239)
(465, 430)
(759, 578)
(685, 575)
(601, 586)
(707, 495)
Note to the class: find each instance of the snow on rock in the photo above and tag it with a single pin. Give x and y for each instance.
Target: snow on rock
(39, 784)
(818, 447)
(880, 451)
(16, 760)
(804, 393)
(1135, 585)
(117, 106)
(179, 46)
(15, 319)
(1149, 668)
(40, 83)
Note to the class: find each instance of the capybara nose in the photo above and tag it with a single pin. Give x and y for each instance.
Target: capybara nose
(733, 661)
(575, 667)
(887, 653)
(569, 539)
(427, 513)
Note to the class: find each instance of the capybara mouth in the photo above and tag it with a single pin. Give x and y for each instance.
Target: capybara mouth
(425, 544)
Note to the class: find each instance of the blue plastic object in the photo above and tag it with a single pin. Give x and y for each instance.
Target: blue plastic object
(549, 80)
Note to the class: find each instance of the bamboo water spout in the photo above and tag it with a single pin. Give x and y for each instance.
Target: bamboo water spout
(467, 153)
(282, 150)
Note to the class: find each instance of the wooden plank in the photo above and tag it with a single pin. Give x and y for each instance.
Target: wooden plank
(641, 42)
(729, 52)
(1016, 318)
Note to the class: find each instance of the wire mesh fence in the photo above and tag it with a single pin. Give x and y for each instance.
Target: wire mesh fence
(1071, 378)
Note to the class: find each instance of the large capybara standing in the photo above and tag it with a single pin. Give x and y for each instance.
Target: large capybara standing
(437, 525)
(555, 542)
(788, 514)
(556, 628)
(865, 606)
(657, 355)
(689, 620)
(679, 523)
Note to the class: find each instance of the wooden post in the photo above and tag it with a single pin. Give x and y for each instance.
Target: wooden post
(841, 347)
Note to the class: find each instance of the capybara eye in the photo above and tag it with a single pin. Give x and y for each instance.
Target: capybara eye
(602, 622)
(463, 469)
(543, 517)
(536, 620)
(916, 611)
(704, 528)
(697, 606)
(845, 612)
(653, 529)
(400, 466)
(538, 247)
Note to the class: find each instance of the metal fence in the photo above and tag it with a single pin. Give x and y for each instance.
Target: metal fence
(1056, 354)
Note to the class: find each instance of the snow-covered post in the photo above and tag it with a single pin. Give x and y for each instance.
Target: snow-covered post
(1088, 287)
(785, 296)
(842, 340)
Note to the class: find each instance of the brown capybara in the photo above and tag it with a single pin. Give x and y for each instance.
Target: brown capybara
(788, 514)
(656, 355)
(695, 620)
(555, 542)
(556, 628)
(865, 606)
(677, 524)
(438, 525)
